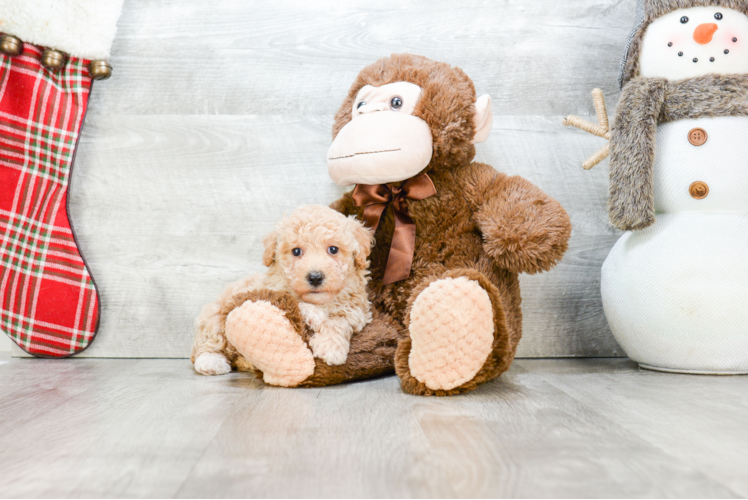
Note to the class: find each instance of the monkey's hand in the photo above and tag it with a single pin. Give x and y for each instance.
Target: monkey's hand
(524, 230)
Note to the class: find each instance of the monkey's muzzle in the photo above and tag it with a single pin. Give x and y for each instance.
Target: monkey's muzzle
(378, 148)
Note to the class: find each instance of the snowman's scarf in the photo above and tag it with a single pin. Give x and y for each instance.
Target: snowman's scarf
(644, 104)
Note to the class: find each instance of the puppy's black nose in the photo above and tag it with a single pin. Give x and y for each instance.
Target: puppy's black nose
(315, 278)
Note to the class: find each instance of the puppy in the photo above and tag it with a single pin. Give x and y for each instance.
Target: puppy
(320, 257)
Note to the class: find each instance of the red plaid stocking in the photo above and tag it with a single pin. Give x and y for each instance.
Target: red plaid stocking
(48, 301)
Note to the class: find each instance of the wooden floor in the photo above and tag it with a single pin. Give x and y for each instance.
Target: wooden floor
(548, 428)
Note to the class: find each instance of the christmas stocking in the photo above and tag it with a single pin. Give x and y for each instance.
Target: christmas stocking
(52, 50)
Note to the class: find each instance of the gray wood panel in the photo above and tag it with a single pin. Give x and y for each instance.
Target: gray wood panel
(188, 199)
(218, 117)
(546, 428)
(298, 57)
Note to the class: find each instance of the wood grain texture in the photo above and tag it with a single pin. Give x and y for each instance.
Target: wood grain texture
(297, 57)
(546, 428)
(170, 208)
(5, 344)
(217, 121)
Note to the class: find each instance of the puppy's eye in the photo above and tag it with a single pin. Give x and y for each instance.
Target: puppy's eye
(333, 250)
(296, 252)
(362, 103)
(396, 103)
(718, 16)
(684, 20)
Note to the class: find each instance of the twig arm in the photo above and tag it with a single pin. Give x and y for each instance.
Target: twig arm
(602, 112)
(597, 157)
(583, 124)
(601, 130)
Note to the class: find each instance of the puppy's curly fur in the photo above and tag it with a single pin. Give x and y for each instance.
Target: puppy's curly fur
(313, 239)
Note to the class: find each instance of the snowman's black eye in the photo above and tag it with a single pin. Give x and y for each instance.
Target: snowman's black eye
(396, 103)
(362, 103)
(718, 16)
(296, 252)
(684, 20)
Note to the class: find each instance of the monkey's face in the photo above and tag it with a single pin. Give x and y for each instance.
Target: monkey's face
(384, 141)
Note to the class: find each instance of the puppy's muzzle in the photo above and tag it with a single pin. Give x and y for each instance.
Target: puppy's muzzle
(315, 278)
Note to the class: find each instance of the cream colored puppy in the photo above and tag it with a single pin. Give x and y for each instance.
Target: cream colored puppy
(320, 257)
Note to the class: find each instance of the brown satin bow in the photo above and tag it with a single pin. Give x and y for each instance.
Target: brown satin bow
(375, 199)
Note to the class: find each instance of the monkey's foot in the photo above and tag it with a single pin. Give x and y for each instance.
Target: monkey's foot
(451, 333)
(262, 334)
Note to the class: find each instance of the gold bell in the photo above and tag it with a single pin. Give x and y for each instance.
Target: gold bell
(10, 45)
(99, 70)
(53, 59)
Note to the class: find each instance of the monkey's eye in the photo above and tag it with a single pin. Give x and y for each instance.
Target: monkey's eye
(362, 103)
(396, 103)
(684, 20)
(718, 16)
(333, 250)
(296, 252)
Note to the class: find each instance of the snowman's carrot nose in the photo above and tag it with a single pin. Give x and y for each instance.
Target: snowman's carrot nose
(704, 33)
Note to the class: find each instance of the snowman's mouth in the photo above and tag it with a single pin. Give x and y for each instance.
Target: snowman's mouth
(697, 60)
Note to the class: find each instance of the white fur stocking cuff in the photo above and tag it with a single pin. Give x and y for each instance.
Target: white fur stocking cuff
(82, 28)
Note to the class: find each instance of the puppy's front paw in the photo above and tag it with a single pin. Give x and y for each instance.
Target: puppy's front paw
(331, 350)
(313, 315)
(212, 363)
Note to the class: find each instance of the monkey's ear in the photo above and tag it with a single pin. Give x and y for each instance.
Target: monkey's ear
(270, 242)
(483, 118)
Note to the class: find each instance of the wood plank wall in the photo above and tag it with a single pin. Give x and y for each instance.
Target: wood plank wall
(217, 121)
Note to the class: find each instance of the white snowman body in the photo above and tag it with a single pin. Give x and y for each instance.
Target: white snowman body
(676, 293)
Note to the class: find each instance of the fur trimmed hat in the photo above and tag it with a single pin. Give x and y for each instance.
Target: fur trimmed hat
(649, 10)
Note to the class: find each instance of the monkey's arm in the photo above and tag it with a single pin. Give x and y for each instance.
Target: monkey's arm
(524, 230)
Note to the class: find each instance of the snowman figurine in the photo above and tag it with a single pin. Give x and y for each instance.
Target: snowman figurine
(675, 285)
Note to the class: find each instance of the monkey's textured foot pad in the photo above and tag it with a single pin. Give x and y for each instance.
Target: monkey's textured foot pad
(451, 332)
(264, 336)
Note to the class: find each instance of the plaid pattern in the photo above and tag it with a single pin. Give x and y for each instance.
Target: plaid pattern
(48, 301)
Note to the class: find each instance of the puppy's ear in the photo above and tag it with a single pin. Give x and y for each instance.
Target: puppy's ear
(270, 242)
(364, 239)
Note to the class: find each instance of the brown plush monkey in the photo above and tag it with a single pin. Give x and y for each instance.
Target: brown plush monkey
(451, 235)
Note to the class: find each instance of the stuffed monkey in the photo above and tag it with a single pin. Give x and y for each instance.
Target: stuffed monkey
(452, 235)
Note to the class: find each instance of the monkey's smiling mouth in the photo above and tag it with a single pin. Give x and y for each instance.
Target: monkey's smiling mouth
(366, 153)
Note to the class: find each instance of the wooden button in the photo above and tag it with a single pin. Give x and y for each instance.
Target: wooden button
(699, 190)
(697, 137)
